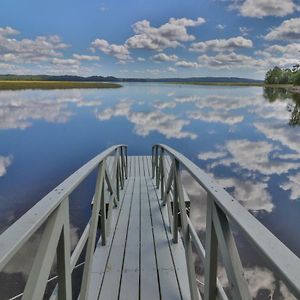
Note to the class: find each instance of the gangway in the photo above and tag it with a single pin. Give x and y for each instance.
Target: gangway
(139, 242)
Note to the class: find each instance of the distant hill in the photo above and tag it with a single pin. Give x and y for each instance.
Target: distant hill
(115, 79)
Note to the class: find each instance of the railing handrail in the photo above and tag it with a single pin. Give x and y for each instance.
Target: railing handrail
(281, 258)
(15, 236)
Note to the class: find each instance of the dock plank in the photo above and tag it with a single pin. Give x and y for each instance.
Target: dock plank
(138, 260)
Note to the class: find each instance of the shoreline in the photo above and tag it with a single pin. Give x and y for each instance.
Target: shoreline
(9, 85)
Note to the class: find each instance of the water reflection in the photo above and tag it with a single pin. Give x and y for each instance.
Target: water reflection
(5, 162)
(292, 107)
(246, 138)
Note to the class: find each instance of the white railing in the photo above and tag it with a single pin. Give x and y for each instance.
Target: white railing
(53, 213)
(221, 208)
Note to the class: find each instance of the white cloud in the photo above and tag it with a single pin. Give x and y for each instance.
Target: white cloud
(220, 45)
(216, 117)
(6, 31)
(212, 155)
(263, 8)
(288, 30)
(293, 185)
(255, 157)
(19, 111)
(163, 105)
(146, 122)
(165, 57)
(244, 30)
(26, 50)
(171, 69)
(253, 196)
(141, 59)
(187, 64)
(230, 60)
(121, 52)
(287, 136)
(5, 162)
(220, 26)
(65, 61)
(86, 57)
(168, 35)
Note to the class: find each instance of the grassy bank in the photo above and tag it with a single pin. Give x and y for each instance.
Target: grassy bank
(236, 84)
(48, 85)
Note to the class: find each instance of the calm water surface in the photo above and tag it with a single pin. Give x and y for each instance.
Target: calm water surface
(246, 138)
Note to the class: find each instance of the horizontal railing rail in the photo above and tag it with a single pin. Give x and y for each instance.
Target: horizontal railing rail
(53, 213)
(221, 208)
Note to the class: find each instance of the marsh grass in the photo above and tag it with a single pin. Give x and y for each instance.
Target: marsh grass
(49, 85)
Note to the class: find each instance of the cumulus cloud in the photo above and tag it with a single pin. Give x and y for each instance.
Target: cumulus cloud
(146, 122)
(220, 26)
(288, 137)
(187, 64)
(86, 57)
(171, 69)
(288, 30)
(5, 162)
(165, 57)
(165, 104)
(229, 60)
(216, 117)
(220, 45)
(168, 35)
(212, 155)
(121, 52)
(29, 50)
(263, 8)
(19, 111)
(252, 195)
(292, 185)
(254, 157)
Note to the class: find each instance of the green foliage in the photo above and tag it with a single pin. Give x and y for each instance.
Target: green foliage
(282, 76)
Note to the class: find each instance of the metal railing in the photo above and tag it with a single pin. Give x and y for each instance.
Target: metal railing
(221, 208)
(53, 213)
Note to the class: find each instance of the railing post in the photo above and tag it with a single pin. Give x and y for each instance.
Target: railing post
(231, 259)
(103, 217)
(92, 234)
(157, 168)
(162, 173)
(64, 257)
(152, 161)
(186, 236)
(211, 254)
(118, 182)
(126, 159)
(175, 205)
(37, 281)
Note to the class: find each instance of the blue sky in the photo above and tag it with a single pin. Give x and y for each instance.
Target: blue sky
(157, 38)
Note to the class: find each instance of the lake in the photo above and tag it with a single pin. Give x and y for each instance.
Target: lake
(247, 138)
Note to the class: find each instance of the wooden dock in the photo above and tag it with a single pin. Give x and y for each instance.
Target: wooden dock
(139, 260)
(139, 242)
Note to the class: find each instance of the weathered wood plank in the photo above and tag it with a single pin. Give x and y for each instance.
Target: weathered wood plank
(113, 271)
(101, 253)
(149, 279)
(138, 262)
(177, 252)
(130, 274)
(169, 288)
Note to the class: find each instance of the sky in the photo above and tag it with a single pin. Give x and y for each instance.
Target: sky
(143, 38)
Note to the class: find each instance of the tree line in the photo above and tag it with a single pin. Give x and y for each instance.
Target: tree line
(284, 76)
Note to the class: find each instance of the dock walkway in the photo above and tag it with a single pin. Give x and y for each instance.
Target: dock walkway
(139, 242)
(139, 260)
